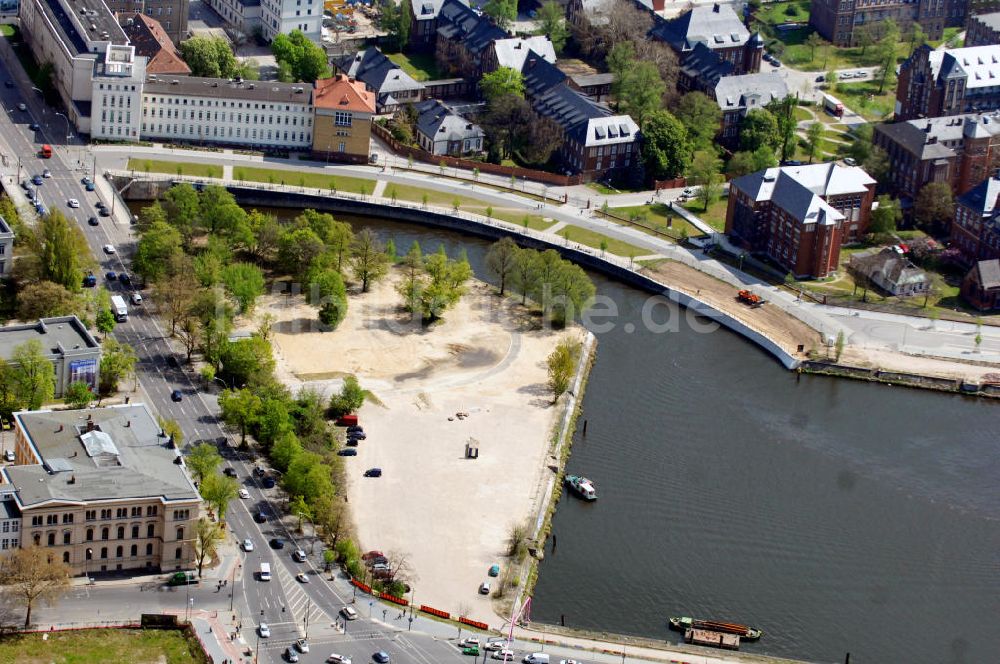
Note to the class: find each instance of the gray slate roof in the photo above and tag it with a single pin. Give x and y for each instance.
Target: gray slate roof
(57, 335)
(991, 20)
(801, 190)
(982, 199)
(132, 461)
(458, 22)
(989, 273)
(978, 65)
(750, 90)
(438, 122)
(378, 72)
(716, 26)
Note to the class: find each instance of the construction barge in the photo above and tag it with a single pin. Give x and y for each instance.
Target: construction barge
(705, 637)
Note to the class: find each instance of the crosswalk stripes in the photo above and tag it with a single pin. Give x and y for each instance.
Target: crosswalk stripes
(297, 598)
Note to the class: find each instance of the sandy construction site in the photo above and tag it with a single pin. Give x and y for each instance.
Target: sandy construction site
(448, 515)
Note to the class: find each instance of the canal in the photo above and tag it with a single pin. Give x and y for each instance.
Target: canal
(837, 516)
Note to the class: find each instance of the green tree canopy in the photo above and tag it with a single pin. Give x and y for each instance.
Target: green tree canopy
(701, 116)
(666, 148)
(240, 409)
(640, 87)
(503, 81)
(350, 398)
(502, 12)
(210, 57)
(218, 490)
(245, 282)
(886, 216)
(117, 364)
(247, 361)
(759, 128)
(159, 243)
(369, 262)
(327, 291)
(33, 374)
(43, 299)
(62, 251)
(552, 24)
(202, 460)
(305, 60)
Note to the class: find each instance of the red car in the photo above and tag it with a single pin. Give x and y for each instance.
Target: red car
(373, 554)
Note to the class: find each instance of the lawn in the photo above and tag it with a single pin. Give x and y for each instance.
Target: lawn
(305, 179)
(716, 215)
(604, 189)
(800, 114)
(8, 31)
(421, 66)
(592, 239)
(102, 646)
(863, 98)
(468, 204)
(659, 217)
(175, 168)
(776, 13)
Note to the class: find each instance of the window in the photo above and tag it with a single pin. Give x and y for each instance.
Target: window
(105, 533)
(135, 532)
(181, 515)
(67, 518)
(105, 514)
(52, 519)
(52, 539)
(38, 539)
(104, 552)
(67, 537)
(90, 534)
(90, 554)
(134, 551)
(66, 557)
(121, 532)
(149, 549)
(343, 147)
(91, 515)
(342, 118)
(36, 520)
(180, 533)
(136, 511)
(119, 552)
(177, 553)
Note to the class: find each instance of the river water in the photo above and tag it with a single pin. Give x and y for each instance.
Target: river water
(838, 516)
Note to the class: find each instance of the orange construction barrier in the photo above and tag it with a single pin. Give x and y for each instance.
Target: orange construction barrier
(474, 623)
(435, 612)
(394, 599)
(363, 586)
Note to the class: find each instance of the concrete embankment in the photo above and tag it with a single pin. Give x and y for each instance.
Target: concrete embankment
(140, 188)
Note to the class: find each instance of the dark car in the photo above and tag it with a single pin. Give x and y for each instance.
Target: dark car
(33, 126)
(277, 543)
(172, 361)
(820, 78)
(355, 427)
(373, 472)
(229, 472)
(268, 482)
(100, 205)
(176, 395)
(37, 180)
(124, 278)
(85, 181)
(104, 212)
(347, 451)
(111, 276)
(93, 221)
(89, 186)
(382, 657)
(90, 280)
(357, 435)
(258, 471)
(260, 517)
(352, 442)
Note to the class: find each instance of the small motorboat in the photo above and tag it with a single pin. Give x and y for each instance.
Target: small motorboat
(582, 487)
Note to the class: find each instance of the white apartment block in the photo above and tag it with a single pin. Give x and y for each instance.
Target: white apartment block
(284, 16)
(116, 92)
(244, 15)
(258, 114)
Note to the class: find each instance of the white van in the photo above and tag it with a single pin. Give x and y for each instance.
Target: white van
(537, 658)
(136, 299)
(265, 571)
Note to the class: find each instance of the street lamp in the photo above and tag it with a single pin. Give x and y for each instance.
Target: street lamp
(86, 564)
(312, 546)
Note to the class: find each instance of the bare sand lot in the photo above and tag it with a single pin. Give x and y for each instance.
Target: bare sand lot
(447, 515)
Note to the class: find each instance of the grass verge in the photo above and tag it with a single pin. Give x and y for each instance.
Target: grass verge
(175, 168)
(657, 217)
(305, 179)
(611, 245)
(102, 646)
(421, 66)
(715, 216)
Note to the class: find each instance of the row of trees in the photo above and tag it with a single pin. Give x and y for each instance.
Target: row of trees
(561, 288)
(212, 57)
(432, 284)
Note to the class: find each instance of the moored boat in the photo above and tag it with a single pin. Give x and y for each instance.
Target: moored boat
(582, 487)
(685, 623)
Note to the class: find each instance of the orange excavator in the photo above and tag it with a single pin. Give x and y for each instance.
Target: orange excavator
(750, 298)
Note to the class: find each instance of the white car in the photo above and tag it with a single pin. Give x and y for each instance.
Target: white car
(301, 577)
(484, 588)
(494, 645)
(504, 655)
(136, 299)
(46, 173)
(570, 661)
(109, 249)
(302, 645)
(73, 203)
(338, 659)
(349, 613)
(265, 631)
(469, 643)
(248, 544)
(244, 494)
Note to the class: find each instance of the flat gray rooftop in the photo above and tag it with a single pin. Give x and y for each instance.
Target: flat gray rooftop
(90, 20)
(123, 456)
(221, 88)
(65, 331)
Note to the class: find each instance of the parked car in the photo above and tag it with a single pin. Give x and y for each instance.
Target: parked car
(820, 78)
(229, 471)
(373, 472)
(265, 631)
(137, 300)
(471, 650)
(850, 161)
(468, 643)
(182, 579)
(46, 173)
(124, 278)
(111, 276)
(244, 494)
(504, 655)
(372, 554)
(109, 249)
(37, 180)
(291, 655)
(352, 442)
(484, 588)
(8, 456)
(334, 658)
(277, 543)
(347, 451)
(89, 186)
(268, 482)
(494, 570)
(90, 280)
(378, 561)
(353, 428)
(494, 644)
(103, 212)
(248, 545)
(86, 181)
(357, 435)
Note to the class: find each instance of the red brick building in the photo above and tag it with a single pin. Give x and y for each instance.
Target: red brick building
(718, 28)
(953, 81)
(983, 30)
(843, 21)
(981, 286)
(799, 216)
(974, 230)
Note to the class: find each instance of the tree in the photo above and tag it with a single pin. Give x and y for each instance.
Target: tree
(206, 541)
(641, 90)
(308, 477)
(814, 41)
(239, 409)
(209, 57)
(284, 450)
(247, 361)
(176, 290)
(502, 81)
(218, 490)
(918, 37)
(349, 400)
(561, 365)
(814, 134)
(219, 211)
(704, 173)
(327, 291)
(171, 429)
(437, 287)
(572, 291)
(44, 299)
(203, 459)
(860, 147)
(666, 148)
(32, 574)
(885, 217)
(541, 137)
(744, 163)
(525, 272)
(182, 208)
(701, 116)
(305, 60)
(297, 250)
(159, 243)
(886, 52)
(551, 19)
(61, 251)
(784, 115)
(759, 128)
(395, 20)
(501, 12)
(504, 123)
(369, 263)
(78, 395)
(865, 36)
(117, 363)
(105, 321)
(245, 282)
(934, 207)
(500, 260)
(33, 375)
(877, 164)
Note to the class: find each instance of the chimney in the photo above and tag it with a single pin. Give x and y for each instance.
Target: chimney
(59, 430)
(128, 423)
(71, 480)
(90, 425)
(716, 8)
(931, 140)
